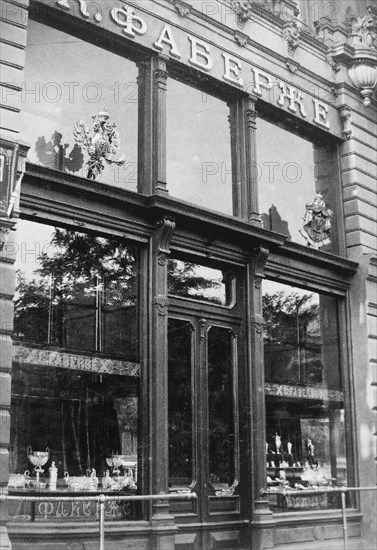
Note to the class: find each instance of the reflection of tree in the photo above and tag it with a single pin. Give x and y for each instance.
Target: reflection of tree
(183, 280)
(31, 308)
(292, 338)
(53, 154)
(79, 275)
(83, 297)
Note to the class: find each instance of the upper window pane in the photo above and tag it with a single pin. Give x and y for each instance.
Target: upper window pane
(199, 168)
(292, 174)
(67, 81)
(76, 291)
(200, 282)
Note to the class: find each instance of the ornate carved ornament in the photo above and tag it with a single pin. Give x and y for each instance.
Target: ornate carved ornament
(257, 323)
(83, 7)
(202, 328)
(101, 143)
(363, 75)
(161, 73)
(162, 303)
(182, 8)
(292, 34)
(241, 38)
(363, 30)
(6, 226)
(243, 9)
(345, 115)
(164, 233)
(359, 54)
(260, 256)
(317, 222)
(12, 167)
(292, 66)
(251, 114)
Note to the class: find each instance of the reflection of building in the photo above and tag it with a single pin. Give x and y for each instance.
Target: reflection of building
(140, 336)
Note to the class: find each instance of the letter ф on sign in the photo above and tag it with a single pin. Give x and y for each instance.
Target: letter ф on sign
(125, 17)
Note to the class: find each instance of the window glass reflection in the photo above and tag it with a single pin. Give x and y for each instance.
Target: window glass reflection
(180, 403)
(305, 423)
(291, 171)
(81, 417)
(75, 379)
(76, 291)
(53, 104)
(198, 163)
(199, 282)
(221, 420)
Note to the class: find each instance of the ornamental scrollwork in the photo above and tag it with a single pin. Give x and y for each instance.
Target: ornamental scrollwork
(345, 115)
(101, 143)
(260, 256)
(164, 234)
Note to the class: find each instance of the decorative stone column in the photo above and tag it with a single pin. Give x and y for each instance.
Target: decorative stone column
(12, 162)
(159, 125)
(262, 522)
(162, 522)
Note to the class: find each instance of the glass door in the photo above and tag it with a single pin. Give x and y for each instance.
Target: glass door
(203, 416)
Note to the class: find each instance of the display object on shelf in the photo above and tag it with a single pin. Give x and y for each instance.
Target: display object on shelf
(82, 483)
(19, 481)
(38, 459)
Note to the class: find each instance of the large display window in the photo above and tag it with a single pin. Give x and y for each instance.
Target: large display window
(198, 160)
(305, 418)
(67, 83)
(292, 168)
(76, 375)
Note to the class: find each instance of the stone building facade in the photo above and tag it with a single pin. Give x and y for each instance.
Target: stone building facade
(202, 311)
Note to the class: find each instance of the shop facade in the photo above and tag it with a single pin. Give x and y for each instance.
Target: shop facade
(188, 270)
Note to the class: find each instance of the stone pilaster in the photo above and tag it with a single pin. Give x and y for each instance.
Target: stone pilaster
(251, 161)
(261, 521)
(12, 161)
(159, 125)
(162, 522)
